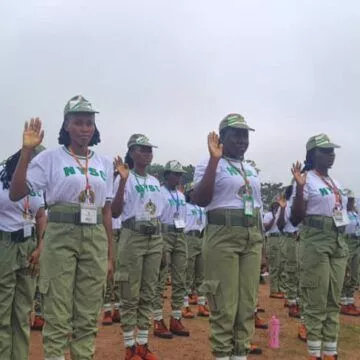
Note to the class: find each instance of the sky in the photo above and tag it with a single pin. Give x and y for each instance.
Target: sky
(172, 70)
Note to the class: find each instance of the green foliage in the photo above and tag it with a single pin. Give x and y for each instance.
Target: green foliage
(269, 191)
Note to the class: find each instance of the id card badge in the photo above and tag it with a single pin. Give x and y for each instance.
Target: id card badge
(340, 217)
(88, 214)
(248, 205)
(27, 229)
(178, 221)
(142, 216)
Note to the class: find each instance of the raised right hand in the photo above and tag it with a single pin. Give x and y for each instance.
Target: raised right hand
(298, 176)
(121, 168)
(215, 148)
(32, 135)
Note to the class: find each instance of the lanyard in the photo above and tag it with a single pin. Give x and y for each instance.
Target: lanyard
(142, 187)
(198, 208)
(242, 173)
(27, 205)
(84, 169)
(333, 187)
(175, 200)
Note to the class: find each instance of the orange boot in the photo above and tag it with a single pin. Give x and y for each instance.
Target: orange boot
(130, 353)
(260, 323)
(38, 323)
(203, 311)
(177, 328)
(330, 357)
(294, 311)
(350, 310)
(161, 331)
(187, 313)
(144, 352)
(107, 319)
(302, 335)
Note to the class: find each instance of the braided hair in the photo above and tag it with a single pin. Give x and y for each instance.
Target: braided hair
(8, 169)
(64, 137)
(309, 161)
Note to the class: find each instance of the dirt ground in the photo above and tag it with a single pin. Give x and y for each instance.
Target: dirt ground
(109, 344)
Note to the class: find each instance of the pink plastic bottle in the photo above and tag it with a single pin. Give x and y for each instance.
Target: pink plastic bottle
(274, 332)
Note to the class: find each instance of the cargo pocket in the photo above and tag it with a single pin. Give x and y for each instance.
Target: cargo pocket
(44, 283)
(212, 291)
(309, 280)
(122, 280)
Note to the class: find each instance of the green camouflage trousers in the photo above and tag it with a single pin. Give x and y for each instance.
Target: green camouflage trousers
(111, 292)
(73, 269)
(232, 257)
(323, 258)
(351, 282)
(292, 267)
(175, 251)
(277, 263)
(16, 297)
(137, 273)
(195, 264)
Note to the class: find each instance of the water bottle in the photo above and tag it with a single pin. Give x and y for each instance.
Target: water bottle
(274, 332)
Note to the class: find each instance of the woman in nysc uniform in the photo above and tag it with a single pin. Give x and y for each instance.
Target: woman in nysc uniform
(351, 282)
(194, 231)
(77, 250)
(320, 203)
(139, 201)
(19, 257)
(173, 220)
(229, 189)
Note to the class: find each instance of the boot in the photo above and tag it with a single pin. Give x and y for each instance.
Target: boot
(116, 316)
(107, 319)
(187, 313)
(260, 323)
(302, 335)
(38, 323)
(203, 311)
(314, 358)
(350, 310)
(130, 353)
(161, 331)
(294, 311)
(177, 328)
(193, 299)
(330, 357)
(144, 352)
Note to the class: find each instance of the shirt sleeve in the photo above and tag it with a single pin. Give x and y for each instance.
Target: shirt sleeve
(199, 172)
(37, 176)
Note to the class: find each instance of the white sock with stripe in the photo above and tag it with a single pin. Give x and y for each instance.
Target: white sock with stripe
(176, 314)
(158, 315)
(314, 347)
(330, 348)
(201, 300)
(107, 307)
(142, 337)
(186, 301)
(129, 339)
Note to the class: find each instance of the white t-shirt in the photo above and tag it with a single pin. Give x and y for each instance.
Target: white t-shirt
(228, 182)
(12, 213)
(289, 227)
(116, 222)
(319, 197)
(134, 203)
(174, 202)
(268, 218)
(57, 173)
(195, 218)
(354, 224)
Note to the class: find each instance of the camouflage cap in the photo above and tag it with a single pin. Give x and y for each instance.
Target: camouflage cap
(174, 166)
(320, 141)
(189, 187)
(234, 121)
(79, 104)
(140, 140)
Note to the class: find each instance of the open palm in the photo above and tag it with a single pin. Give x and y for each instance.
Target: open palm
(298, 176)
(215, 148)
(32, 135)
(121, 168)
